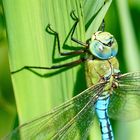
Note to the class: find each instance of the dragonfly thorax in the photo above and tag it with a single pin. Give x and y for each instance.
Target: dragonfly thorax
(103, 45)
(100, 70)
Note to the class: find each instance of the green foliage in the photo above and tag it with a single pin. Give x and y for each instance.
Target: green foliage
(7, 105)
(29, 44)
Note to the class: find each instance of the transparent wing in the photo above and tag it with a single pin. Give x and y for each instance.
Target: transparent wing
(69, 121)
(125, 101)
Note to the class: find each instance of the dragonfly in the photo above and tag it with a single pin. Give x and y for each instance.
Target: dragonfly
(110, 94)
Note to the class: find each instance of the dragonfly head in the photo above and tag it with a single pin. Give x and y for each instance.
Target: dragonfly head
(103, 45)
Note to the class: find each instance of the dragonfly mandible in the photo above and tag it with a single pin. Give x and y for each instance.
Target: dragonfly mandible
(110, 94)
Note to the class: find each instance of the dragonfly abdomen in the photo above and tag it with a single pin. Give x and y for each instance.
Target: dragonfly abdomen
(102, 113)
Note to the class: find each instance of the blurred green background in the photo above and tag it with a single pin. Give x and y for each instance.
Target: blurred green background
(123, 24)
(7, 102)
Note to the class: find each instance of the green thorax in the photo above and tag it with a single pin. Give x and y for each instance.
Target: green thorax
(97, 70)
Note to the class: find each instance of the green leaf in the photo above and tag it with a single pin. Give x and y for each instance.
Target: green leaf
(95, 19)
(131, 52)
(91, 8)
(132, 60)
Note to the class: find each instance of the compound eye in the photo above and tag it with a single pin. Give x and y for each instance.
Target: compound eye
(109, 44)
(114, 48)
(100, 50)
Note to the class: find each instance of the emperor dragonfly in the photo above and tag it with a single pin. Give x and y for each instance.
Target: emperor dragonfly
(108, 94)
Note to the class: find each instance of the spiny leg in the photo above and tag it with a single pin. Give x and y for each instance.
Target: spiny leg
(76, 62)
(51, 31)
(102, 26)
(76, 19)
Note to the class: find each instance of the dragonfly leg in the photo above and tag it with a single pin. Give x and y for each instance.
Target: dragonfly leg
(73, 63)
(76, 19)
(51, 31)
(103, 26)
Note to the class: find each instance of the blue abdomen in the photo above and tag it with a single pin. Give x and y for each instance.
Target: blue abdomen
(101, 107)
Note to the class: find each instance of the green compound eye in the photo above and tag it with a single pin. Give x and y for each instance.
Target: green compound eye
(103, 45)
(114, 48)
(99, 50)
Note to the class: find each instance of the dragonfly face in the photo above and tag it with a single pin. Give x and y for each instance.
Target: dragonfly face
(103, 45)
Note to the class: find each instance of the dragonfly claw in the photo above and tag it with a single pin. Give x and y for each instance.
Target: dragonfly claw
(50, 30)
(73, 15)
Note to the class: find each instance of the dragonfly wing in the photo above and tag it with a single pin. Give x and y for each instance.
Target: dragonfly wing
(64, 122)
(78, 127)
(125, 101)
